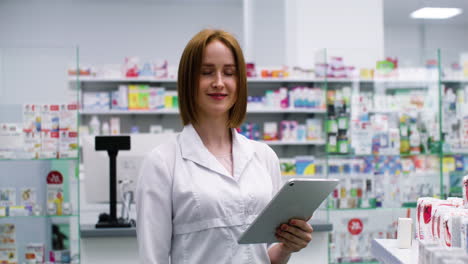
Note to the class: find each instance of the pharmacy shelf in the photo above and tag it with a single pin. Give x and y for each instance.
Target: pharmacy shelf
(409, 82)
(365, 262)
(154, 80)
(285, 80)
(456, 152)
(349, 155)
(395, 111)
(377, 209)
(91, 79)
(131, 112)
(40, 216)
(290, 176)
(456, 80)
(386, 251)
(286, 111)
(31, 159)
(294, 143)
(176, 111)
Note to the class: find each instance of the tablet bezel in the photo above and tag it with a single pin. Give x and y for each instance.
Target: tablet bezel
(271, 216)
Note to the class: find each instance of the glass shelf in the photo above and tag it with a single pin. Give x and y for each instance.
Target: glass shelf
(176, 111)
(366, 209)
(459, 152)
(365, 262)
(25, 159)
(39, 216)
(294, 143)
(379, 155)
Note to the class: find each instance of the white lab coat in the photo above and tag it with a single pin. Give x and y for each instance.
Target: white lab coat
(190, 209)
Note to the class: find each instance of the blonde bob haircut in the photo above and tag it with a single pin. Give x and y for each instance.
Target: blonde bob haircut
(188, 79)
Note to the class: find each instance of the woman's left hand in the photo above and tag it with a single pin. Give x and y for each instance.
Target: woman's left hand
(295, 235)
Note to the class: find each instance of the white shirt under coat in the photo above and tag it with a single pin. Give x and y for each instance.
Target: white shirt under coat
(190, 209)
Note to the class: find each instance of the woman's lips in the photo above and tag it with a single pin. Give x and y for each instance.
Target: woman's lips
(217, 96)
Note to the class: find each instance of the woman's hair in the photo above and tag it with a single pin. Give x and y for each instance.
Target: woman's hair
(189, 76)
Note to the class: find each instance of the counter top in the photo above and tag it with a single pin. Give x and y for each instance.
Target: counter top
(386, 251)
(90, 231)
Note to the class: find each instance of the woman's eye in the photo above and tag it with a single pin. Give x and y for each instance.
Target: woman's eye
(206, 72)
(229, 73)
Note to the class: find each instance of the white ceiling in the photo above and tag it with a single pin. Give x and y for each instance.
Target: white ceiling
(397, 12)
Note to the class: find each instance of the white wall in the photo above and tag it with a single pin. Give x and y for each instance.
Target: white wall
(407, 41)
(265, 32)
(106, 31)
(353, 29)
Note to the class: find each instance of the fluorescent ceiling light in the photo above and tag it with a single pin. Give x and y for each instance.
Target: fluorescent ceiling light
(435, 13)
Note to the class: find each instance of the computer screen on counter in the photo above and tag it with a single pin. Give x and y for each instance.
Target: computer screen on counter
(96, 165)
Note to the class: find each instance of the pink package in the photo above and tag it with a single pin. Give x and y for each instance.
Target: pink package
(437, 223)
(439, 210)
(456, 201)
(435, 205)
(451, 227)
(285, 132)
(421, 215)
(465, 190)
(430, 206)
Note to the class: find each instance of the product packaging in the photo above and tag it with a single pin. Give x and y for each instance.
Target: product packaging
(115, 126)
(170, 100)
(288, 167)
(32, 144)
(465, 191)
(143, 97)
(7, 197)
(60, 256)
(28, 197)
(8, 247)
(161, 69)
(96, 101)
(68, 146)
(464, 235)
(314, 129)
(130, 67)
(49, 145)
(270, 131)
(35, 252)
(423, 214)
(133, 95)
(55, 191)
(11, 141)
(305, 165)
(68, 117)
(31, 118)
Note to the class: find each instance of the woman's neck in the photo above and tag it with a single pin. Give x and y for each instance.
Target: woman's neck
(215, 135)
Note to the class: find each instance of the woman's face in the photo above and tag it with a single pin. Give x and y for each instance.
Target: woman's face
(217, 90)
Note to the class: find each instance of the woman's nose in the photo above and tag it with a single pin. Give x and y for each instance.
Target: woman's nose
(218, 81)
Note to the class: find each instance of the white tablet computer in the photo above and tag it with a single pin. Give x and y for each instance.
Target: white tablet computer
(298, 198)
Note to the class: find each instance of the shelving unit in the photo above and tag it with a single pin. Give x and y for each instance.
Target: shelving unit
(377, 222)
(176, 111)
(39, 197)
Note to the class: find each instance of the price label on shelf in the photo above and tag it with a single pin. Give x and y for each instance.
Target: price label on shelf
(355, 226)
(54, 177)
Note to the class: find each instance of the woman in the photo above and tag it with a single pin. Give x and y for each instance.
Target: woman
(197, 193)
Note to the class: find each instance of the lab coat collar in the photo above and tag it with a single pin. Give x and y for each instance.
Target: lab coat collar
(192, 148)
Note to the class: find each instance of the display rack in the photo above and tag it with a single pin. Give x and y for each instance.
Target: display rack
(419, 95)
(39, 204)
